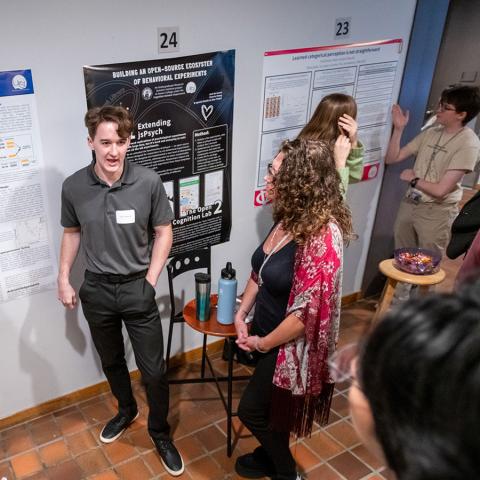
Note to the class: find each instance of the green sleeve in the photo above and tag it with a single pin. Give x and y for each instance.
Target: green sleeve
(343, 172)
(354, 164)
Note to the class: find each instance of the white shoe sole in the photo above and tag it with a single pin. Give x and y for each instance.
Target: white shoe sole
(110, 440)
(173, 473)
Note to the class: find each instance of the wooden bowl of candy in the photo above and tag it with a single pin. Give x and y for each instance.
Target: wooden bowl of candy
(417, 261)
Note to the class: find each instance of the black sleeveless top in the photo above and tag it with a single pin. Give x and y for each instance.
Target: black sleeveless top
(272, 297)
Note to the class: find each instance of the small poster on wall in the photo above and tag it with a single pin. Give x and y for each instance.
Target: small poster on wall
(183, 113)
(27, 259)
(295, 81)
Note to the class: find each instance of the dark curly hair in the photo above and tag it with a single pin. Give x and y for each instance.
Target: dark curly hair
(308, 192)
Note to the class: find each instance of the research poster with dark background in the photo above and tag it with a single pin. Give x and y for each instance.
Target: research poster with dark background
(183, 112)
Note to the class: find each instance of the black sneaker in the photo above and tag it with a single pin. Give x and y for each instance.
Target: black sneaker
(170, 456)
(115, 427)
(255, 465)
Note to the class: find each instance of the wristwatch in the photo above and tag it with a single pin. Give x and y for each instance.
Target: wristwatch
(413, 182)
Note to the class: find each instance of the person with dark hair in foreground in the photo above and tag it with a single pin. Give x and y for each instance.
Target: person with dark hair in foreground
(416, 391)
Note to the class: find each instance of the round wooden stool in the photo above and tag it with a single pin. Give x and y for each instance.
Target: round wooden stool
(394, 275)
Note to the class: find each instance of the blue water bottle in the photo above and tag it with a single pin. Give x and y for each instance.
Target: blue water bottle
(227, 295)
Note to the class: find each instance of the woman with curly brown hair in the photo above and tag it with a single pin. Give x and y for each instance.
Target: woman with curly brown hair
(295, 286)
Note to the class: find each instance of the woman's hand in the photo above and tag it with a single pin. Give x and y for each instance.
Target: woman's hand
(349, 127)
(399, 117)
(240, 325)
(248, 343)
(341, 150)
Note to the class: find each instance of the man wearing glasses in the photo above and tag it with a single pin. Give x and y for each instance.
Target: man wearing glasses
(443, 154)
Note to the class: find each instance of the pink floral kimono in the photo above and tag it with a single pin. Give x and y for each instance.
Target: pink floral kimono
(303, 388)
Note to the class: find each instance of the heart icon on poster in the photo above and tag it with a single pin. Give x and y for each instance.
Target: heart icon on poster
(207, 111)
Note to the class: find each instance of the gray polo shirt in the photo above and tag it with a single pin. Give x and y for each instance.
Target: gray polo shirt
(116, 222)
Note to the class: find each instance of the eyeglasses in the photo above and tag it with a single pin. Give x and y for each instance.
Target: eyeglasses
(442, 107)
(341, 363)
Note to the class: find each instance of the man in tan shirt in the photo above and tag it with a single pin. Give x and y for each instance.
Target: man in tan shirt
(444, 154)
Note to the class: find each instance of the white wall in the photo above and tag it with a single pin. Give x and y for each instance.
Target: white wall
(46, 352)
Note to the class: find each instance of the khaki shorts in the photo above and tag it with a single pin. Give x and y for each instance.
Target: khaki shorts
(424, 225)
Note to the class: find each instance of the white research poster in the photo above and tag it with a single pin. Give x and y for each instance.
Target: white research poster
(27, 260)
(294, 82)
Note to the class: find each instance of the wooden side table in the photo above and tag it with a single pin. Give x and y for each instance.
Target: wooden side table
(394, 275)
(212, 327)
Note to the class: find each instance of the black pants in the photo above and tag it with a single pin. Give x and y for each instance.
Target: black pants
(254, 412)
(105, 304)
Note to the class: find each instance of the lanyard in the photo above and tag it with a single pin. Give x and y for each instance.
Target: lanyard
(436, 148)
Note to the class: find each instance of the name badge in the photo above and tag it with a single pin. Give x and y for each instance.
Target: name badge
(125, 216)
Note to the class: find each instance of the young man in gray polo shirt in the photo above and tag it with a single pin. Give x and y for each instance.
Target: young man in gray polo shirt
(118, 213)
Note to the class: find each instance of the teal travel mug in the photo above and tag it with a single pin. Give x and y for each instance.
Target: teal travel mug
(202, 296)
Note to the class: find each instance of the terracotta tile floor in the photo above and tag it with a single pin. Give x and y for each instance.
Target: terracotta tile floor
(64, 445)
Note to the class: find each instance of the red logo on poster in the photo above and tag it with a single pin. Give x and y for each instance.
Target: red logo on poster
(370, 171)
(260, 198)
